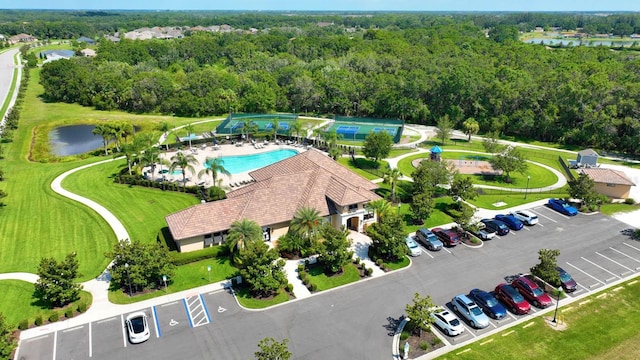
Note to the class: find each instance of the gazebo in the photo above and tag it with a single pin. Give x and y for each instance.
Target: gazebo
(436, 153)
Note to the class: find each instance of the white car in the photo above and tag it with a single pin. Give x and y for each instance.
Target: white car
(138, 327)
(525, 216)
(447, 322)
(414, 248)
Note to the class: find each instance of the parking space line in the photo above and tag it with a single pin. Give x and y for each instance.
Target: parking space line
(631, 246)
(186, 308)
(73, 329)
(155, 322)
(105, 320)
(512, 316)
(596, 265)
(544, 216)
(90, 343)
(469, 330)
(36, 338)
(584, 272)
(206, 311)
(426, 252)
(124, 330)
(55, 344)
(623, 254)
(445, 249)
(169, 304)
(613, 261)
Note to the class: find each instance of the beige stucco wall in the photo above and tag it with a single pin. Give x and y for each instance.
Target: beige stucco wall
(616, 192)
(191, 244)
(278, 230)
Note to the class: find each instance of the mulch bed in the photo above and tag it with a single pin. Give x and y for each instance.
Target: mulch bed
(414, 344)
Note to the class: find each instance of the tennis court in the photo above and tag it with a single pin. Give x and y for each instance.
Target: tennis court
(234, 124)
(357, 129)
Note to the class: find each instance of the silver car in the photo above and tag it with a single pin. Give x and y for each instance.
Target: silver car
(525, 216)
(472, 312)
(414, 248)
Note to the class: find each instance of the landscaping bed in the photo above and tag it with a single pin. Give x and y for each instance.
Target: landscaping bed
(418, 345)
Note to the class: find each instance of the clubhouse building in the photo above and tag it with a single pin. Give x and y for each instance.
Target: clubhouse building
(309, 179)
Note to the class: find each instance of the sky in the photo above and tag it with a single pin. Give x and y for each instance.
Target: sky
(326, 5)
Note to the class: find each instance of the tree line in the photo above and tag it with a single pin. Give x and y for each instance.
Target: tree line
(584, 95)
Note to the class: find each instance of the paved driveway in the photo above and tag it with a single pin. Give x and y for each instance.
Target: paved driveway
(357, 321)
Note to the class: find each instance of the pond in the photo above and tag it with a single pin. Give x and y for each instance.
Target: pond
(73, 140)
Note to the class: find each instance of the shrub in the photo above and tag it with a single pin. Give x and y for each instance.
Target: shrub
(424, 345)
(313, 287)
(68, 313)
(38, 321)
(305, 281)
(54, 317)
(436, 341)
(369, 271)
(289, 288)
(404, 336)
(300, 268)
(356, 260)
(379, 262)
(629, 201)
(23, 325)
(82, 307)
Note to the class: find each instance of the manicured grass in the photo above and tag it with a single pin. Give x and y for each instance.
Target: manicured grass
(19, 303)
(397, 152)
(514, 199)
(186, 277)
(594, 331)
(245, 299)
(324, 282)
(140, 209)
(610, 209)
(348, 163)
(438, 216)
(540, 177)
(404, 262)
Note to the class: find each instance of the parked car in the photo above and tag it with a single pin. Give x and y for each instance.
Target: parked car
(488, 303)
(527, 217)
(414, 248)
(447, 236)
(512, 299)
(447, 322)
(484, 233)
(568, 284)
(469, 310)
(532, 292)
(511, 221)
(429, 239)
(496, 225)
(562, 207)
(138, 327)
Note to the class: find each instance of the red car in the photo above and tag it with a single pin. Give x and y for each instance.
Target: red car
(447, 236)
(512, 299)
(532, 292)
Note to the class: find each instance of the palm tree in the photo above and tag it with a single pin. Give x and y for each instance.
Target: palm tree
(391, 177)
(381, 207)
(189, 129)
(103, 131)
(296, 128)
(317, 135)
(150, 157)
(241, 233)
(249, 127)
(276, 125)
(214, 169)
(164, 127)
(184, 162)
(305, 222)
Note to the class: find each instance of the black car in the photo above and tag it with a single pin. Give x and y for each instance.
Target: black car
(568, 284)
(496, 225)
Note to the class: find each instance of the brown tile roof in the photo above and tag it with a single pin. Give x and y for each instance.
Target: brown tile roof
(307, 179)
(608, 176)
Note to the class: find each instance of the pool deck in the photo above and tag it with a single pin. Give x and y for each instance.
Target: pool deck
(201, 153)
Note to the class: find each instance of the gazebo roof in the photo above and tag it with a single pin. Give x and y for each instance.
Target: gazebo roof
(436, 149)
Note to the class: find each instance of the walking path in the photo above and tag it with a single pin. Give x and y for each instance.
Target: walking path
(6, 61)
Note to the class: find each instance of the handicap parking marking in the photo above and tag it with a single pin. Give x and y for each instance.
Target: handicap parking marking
(629, 270)
(197, 310)
(155, 322)
(171, 318)
(600, 267)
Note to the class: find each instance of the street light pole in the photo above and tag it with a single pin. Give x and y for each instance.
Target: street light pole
(126, 266)
(527, 189)
(555, 315)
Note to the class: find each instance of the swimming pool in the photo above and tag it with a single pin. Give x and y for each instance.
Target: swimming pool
(244, 163)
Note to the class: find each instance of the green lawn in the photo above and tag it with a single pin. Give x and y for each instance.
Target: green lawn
(140, 209)
(245, 299)
(348, 163)
(603, 328)
(610, 209)
(186, 277)
(404, 262)
(18, 302)
(324, 282)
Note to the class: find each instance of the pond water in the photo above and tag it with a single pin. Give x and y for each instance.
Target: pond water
(73, 140)
(577, 42)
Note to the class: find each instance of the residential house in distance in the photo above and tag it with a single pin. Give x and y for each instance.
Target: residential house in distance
(88, 52)
(612, 183)
(86, 40)
(53, 55)
(309, 179)
(21, 38)
(587, 158)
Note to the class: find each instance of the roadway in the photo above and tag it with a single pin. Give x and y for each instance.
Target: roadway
(7, 67)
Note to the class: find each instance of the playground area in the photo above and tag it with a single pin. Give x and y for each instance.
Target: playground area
(467, 166)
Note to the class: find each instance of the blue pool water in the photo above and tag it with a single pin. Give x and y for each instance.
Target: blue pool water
(243, 163)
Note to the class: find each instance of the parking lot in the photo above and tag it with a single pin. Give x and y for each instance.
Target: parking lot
(355, 321)
(600, 265)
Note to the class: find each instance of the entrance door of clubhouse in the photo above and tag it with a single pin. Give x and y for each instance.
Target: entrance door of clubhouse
(353, 223)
